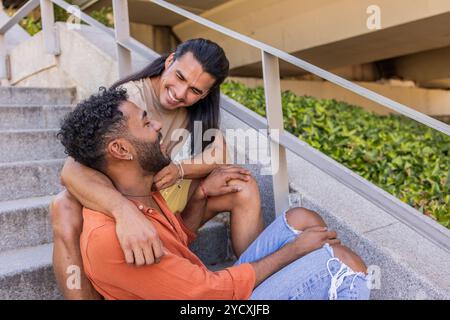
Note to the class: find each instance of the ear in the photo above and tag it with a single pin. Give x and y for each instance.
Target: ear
(120, 149)
(169, 60)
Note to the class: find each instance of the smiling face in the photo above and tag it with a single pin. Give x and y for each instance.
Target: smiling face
(183, 82)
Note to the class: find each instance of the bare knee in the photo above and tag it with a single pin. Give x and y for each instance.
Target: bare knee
(350, 258)
(302, 218)
(66, 216)
(249, 191)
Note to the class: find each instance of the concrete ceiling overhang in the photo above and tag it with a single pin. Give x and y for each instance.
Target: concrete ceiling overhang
(328, 33)
(409, 38)
(145, 12)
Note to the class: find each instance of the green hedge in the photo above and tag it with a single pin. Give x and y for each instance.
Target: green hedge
(403, 157)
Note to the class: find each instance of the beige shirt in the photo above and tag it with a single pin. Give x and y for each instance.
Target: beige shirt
(142, 94)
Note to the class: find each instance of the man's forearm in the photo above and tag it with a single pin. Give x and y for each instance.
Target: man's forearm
(271, 264)
(199, 170)
(93, 189)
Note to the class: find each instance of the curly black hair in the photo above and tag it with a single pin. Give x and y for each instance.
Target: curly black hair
(86, 131)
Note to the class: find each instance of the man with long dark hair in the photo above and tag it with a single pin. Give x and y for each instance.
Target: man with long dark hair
(177, 90)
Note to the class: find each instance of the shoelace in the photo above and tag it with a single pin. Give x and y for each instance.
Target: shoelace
(338, 278)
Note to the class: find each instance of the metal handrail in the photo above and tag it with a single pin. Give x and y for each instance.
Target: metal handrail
(86, 18)
(431, 230)
(359, 90)
(19, 15)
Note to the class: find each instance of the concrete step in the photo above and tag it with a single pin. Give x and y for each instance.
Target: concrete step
(29, 145)
(28, 274)
(19, 180)
(212, 245)
(21, 117)
(25, 222)
(33, 96)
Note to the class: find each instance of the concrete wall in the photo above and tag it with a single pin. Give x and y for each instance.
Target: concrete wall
(159, 38)
(32, 66)
(433, 102)
(143, 33)
(429, 68)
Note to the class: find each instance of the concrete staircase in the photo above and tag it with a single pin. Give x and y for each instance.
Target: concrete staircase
(30, 162)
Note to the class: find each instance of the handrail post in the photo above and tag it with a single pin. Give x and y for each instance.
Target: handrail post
(122, 31)
(3, 71)
(51, 40)
(3, 59)
(274, 112)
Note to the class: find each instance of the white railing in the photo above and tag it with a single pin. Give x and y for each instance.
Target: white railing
(270, 61)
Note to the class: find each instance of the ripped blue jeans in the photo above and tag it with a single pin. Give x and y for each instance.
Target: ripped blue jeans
(318, 275)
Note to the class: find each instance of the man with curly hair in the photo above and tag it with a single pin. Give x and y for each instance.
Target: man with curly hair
(295, 257)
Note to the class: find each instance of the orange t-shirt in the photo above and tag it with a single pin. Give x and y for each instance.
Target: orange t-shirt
(179, 275)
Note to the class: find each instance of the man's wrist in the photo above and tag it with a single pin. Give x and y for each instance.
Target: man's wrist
(274, 262)
(121, 207)
(186, 169)
(291, 252)
(180, 169)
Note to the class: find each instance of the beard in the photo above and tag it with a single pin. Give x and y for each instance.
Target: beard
(149, 155)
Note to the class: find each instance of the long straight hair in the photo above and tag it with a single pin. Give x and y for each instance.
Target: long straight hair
(213, 60)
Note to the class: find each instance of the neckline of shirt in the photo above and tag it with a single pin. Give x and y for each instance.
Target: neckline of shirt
(156, 195)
